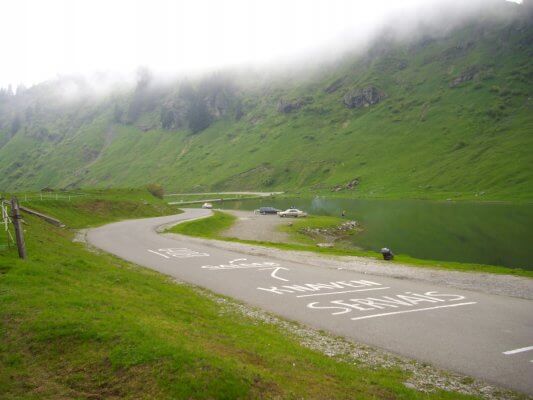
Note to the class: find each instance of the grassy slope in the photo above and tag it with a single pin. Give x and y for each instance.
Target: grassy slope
(80, 324)
(96, 207)
(213, 228)
(425, 140)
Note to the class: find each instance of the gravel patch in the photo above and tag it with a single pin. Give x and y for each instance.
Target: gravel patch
(256, 226)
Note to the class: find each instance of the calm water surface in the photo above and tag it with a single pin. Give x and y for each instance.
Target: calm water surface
(497, 234)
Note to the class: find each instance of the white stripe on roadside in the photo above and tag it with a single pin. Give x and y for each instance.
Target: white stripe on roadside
(410, 311)
(521, 350)
(347, 291)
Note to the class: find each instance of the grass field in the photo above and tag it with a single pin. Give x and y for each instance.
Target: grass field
(80, 324)
(214, 226)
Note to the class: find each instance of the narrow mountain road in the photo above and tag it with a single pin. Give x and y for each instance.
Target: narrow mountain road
(485, 336)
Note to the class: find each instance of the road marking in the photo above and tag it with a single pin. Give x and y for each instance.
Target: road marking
(347, 291)
(410, 311)
(521, 350)
(231, 265)
(276, 269)
(159, 254)
(237, 259)
(178, 252)
(316, 287)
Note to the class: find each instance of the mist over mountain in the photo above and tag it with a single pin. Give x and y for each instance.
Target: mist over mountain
(438, 106)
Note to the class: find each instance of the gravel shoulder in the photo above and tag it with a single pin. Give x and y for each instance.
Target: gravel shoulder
(250, 226)
(264, 228)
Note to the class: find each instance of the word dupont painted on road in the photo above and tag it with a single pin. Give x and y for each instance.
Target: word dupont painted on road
(239, 264)
(260, 266)
(178, 252)
(406, 302)
(323, 289)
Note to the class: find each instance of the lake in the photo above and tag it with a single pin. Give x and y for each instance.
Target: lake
(484, 233)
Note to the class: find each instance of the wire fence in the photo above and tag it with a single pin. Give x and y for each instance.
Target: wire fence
(46, 196)
(6, 236)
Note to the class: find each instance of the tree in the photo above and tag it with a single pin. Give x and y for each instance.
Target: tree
(140, 94)
(15, 124)
(117, 114)
(167, 118)
(198, 116)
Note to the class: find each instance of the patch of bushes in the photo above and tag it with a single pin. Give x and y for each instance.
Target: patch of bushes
(156, 190)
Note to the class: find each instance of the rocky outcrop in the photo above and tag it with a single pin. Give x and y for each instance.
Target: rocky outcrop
(217, 103)
(461, 49)
(465, 76)
(347, 186)
(174, 114)
(286, 107)
(365, 97)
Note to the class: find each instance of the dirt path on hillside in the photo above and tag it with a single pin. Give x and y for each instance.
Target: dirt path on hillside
(250, 226)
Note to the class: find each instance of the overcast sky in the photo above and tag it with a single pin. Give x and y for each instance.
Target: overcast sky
(41, 39)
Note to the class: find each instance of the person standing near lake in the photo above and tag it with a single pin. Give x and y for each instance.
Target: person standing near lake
(343, 214)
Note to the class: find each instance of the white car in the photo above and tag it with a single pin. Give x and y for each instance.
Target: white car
(209, 206)
(292, 212)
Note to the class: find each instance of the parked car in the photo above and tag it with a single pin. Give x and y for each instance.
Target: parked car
(292, 212)
(207, 205)
(267, 210)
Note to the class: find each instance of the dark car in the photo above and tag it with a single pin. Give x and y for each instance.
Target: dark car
(267, 210)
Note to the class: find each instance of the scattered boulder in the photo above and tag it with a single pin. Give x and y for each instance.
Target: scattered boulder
(334, 86)
(330, 235)
(358, 98)
(347, 186)
(465, 76)
(402, 64)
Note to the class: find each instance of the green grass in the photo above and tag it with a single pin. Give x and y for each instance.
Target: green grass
(80, 324)
(214, 226)
(210, 227)
(425, 140)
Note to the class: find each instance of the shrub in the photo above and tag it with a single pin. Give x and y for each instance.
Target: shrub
(156, 190)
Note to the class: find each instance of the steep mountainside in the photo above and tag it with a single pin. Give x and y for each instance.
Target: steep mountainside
(435, 117)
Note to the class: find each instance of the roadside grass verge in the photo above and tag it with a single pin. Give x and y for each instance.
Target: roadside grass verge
(210, 227)
(76, 323)
(305, 243)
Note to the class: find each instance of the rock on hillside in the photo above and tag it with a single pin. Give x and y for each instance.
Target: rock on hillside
(357, 98)
(286, 107)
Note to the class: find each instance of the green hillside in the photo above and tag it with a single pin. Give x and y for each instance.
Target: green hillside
(433, 117)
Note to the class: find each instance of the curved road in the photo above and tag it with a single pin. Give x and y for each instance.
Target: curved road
(485, 336)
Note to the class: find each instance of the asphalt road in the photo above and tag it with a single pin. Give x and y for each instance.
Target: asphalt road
(484, 336)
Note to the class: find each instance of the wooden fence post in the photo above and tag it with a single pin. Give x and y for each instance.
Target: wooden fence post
(19, 233)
